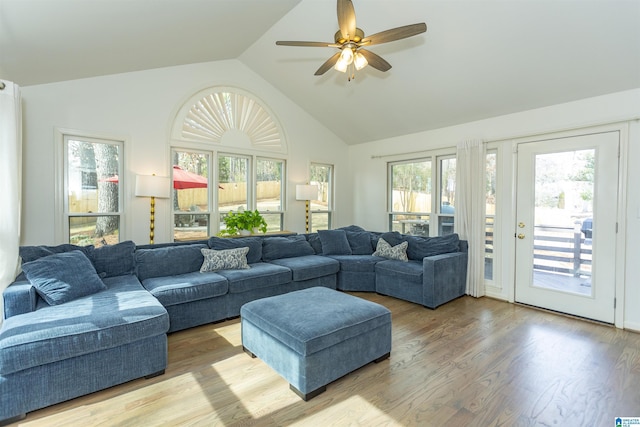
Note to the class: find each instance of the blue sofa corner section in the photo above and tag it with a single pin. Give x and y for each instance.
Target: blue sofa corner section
(53, 353)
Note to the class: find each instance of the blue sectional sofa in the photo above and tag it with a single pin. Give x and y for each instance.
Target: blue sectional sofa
(81, 319)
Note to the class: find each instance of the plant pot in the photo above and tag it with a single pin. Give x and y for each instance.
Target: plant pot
(244, 232)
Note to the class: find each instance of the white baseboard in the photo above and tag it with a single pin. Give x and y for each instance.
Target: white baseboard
(632, 326)
(496, 293)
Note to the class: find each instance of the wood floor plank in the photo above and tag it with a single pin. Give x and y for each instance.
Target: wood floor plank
(470, 362)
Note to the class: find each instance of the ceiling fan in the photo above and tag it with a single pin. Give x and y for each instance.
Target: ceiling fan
(351, 41)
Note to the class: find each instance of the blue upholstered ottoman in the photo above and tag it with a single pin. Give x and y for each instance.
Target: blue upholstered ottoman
(315, 336)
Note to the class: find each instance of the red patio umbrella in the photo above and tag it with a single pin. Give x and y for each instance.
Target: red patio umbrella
(113, 179)
(183, 179)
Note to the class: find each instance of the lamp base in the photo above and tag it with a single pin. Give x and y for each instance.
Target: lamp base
(152, 219)
(306, 206)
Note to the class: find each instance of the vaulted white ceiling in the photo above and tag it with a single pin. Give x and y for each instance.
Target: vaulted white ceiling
(478, 58)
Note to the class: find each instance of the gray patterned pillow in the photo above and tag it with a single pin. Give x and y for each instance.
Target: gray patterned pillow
(384, 249)
(227, 259)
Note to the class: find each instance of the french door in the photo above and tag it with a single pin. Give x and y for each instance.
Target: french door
(566, 205)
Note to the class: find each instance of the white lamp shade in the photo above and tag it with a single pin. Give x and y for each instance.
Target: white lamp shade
(306, 192)
(152, 186)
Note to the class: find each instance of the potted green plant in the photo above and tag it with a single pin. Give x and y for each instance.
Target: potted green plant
(243, 222)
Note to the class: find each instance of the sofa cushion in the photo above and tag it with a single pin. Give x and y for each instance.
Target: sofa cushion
(334, 242)
(253, 243)
(260, 275)
(314, 241)
(357, 263)
(169, 260)
(360, 242)
(227, 259)
(285, 247)
(397, 252)
(32, 253)
(392, 237)
(355, 228)
(309, 266)
(409, 272)
(63, 277)
(420, 247)
(125, 312)
(183, 288)
(115, 260)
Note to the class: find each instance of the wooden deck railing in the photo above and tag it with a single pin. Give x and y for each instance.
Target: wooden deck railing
(561, 250)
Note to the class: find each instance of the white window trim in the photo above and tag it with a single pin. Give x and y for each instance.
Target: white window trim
(61, 222)
(330, 199)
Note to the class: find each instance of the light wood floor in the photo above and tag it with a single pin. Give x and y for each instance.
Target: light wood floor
(472, 362)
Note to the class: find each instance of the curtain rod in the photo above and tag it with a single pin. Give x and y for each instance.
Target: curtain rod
(507, 138)
(2, 86)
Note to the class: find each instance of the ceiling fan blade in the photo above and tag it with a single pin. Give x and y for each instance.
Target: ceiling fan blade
(306, 44)
(346, 19)
(328, 64)
(375, 61)
(394, 34)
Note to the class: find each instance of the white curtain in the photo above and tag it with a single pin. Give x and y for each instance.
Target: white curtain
(470, 209)
(10, 183)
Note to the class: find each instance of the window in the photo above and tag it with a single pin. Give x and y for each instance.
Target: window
(490, 213)
(92, 183)
(190, 177)
(233, 191)
(415, 206)
(447, 201)
(321, 209)
(413, 209)
(269, 191)
(410, 196)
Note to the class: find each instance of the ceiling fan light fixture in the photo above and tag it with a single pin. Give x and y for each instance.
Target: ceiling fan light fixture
(351, 42)
(341, 66)
(346, 59)
(360, 61)
(346, 55)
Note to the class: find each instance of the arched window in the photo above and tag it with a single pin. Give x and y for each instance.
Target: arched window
(230, 117)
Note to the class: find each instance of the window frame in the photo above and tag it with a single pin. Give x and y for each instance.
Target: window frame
(283, 188)
(62, 190)
(439, 215)
(329, 212)
(210, 202)
(495, 242)
(215, 216)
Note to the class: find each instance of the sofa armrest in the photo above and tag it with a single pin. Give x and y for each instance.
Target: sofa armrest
(444, 278)
(20, 297)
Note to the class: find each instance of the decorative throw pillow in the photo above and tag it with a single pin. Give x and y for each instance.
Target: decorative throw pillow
(227, 259)
(385, 250)
(63, 277)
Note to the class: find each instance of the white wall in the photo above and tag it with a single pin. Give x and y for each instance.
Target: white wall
(369, 175)
(140, 107)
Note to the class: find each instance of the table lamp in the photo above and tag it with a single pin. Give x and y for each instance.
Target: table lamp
(306, 192)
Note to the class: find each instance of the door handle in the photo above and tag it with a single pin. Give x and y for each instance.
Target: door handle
(520, 236)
